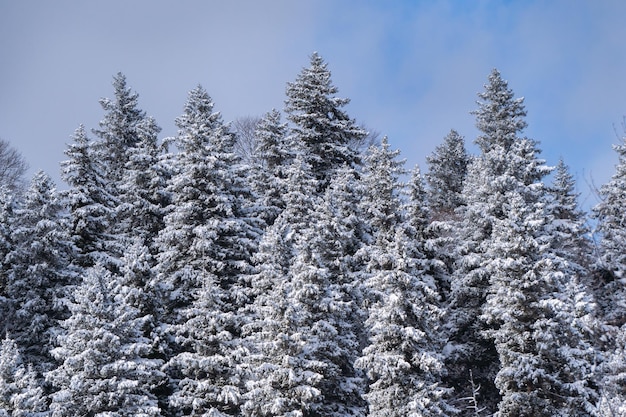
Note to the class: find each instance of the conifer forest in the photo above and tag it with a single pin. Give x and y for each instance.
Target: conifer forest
(301, 270)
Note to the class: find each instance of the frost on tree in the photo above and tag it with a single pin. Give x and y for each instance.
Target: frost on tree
(611, 221)
(272, 156)
(506, 163)
(320, 129)
(105, 364)
(89, 203)
(205, 250)
(447, 168)
(306, 331)
(20, 393)
(402, 359)
(40, 273)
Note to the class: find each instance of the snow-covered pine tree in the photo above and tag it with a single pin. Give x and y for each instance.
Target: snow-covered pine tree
(118, 131)
(271, 390)
(306, 333)
(142, 187)
(611, 229)
(403, 359)
(447, 169)
(89, 203)
(105, 365)
(20, 393)
(7, 208)
(538, 328)
(506, 164)
(570, 231)
(320, 128)
(40, 275)
(271, 159)
(205, 247)
(381, 172)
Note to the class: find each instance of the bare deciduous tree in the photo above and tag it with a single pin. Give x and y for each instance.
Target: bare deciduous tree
(246, 140)
(13, 166)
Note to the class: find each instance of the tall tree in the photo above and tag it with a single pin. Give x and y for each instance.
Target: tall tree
(40, 274)
(142, 188)
(205, 249)
(507, 163)
(320, 128)
(447, 168)
(611, 221)
(306, 332)
(7, 209)
(118, 131)
(105, 365)
(271, 160)
(89, 203)
(20, 393)
(402, 360)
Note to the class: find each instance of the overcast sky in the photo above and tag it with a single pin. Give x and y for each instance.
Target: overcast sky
(411, 68)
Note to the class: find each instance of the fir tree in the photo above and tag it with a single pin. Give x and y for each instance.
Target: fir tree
(320, 128)
(507, 164)
(142, 190)
(40, 274)
(105, 358)
(403, 359)
(20, 393)
(306, 332)
(205, 248)
(271, 159)
(611, 265)
(381, 172)
(7, 207)
(89, 203)
(447, 168)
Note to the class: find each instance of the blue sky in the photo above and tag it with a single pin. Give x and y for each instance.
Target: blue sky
(411, 68)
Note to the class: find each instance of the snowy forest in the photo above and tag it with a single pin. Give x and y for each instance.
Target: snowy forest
(299, 269)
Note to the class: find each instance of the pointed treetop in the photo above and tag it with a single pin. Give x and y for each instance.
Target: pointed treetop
(499, 116)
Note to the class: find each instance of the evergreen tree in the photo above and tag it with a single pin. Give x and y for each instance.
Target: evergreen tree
(320, 128)
(546, 364)
(89, 203)
(205, 247)
(306, 332)
(40, 275)
(271, 159)
(403, 359)
(7, 208)
(611, 265)
(446, 176)
(142, 189)
(105, 358)
(20, 393)
(507, 164)
(119, 131)
(381, 172)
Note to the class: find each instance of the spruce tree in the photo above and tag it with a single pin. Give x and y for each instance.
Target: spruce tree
(320, 128)
(21, 395)
(611, 265)
(402, 360)
(205, 249)
(7, 206)
(271, 159)
(447, 168)
(105, 364)
(89, 203)
(507, 163)
(40, 274)
(307, 318)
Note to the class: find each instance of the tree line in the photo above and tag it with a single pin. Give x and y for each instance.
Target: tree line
(298, 272)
